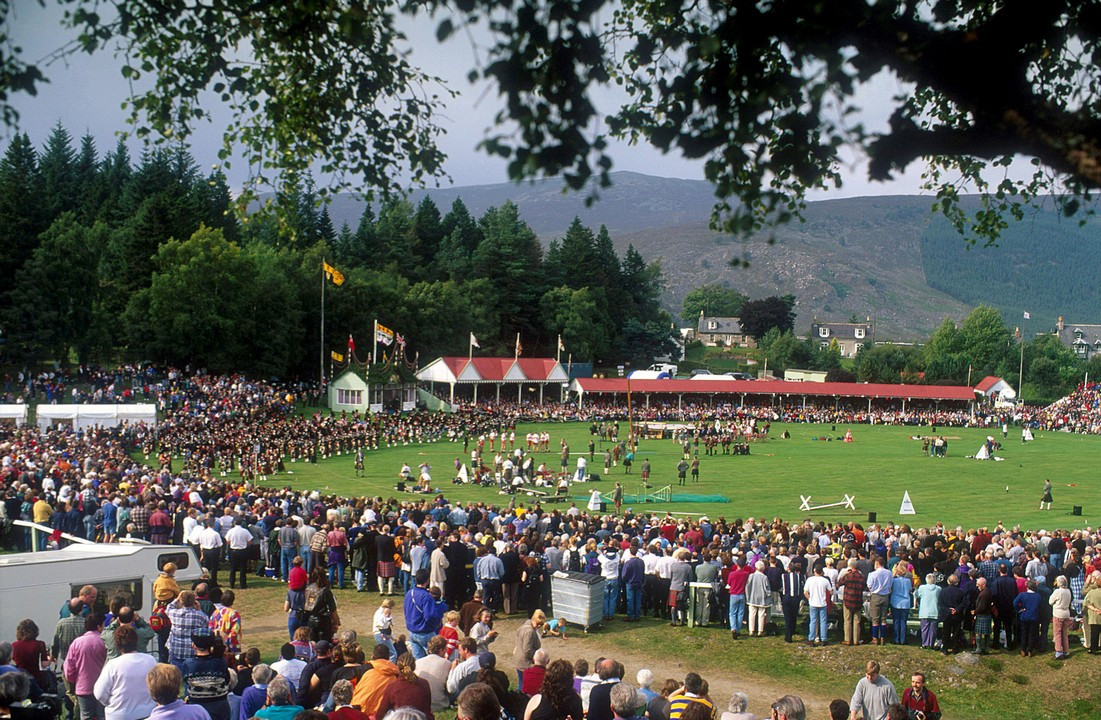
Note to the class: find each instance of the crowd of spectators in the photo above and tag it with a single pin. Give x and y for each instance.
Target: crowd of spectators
(944, 589)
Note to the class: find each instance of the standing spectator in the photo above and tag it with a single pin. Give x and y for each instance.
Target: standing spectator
(319, 612)
(187, 621)
(817, 592)
(29, 653)
(423, 615)
(1027, 605)
(83, 664)
(225, 622)
(210, 548)
(634, 575)
(383, 626)
(295, 600)
(953, 608)
(238, 538)
(735, 583)
(880, 582)
(853, 585)
(791, 596)
(874, 694)
(1060, 608)
(758, 595)
(160, 525)
(121, 687)
(527, 642)
(337, 541)
(206, 678)
(902, 586)
(288, 547)
(609, 569)
(928, 600)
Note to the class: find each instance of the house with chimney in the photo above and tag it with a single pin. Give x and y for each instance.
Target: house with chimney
(723, 332)
(850, 337)
(1083, 339)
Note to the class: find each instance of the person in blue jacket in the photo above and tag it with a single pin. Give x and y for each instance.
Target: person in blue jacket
(423, 615)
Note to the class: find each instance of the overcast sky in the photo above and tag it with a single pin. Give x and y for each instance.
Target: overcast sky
(86, 93)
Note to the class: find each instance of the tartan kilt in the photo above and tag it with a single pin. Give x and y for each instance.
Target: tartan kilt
(984, 624)
(386, 569)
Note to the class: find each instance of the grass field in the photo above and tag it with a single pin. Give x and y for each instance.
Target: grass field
(877, 468)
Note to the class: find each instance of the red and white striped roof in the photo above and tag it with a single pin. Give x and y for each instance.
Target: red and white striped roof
(457, 370)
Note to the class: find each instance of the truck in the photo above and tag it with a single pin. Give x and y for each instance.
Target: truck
(36, 585)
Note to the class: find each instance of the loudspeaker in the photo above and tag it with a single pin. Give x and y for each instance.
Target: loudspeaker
(1076, 510)
(400, 487)
(871, 517)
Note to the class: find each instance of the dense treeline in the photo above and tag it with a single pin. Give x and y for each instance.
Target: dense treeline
(1041, 265)
(108, 259)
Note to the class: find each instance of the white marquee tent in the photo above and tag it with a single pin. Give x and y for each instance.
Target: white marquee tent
(18, 413)
(88, 416)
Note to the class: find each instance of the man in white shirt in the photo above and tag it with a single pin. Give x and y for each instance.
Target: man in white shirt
(467, 664)
(288, 666)
(237, 539)
(210, 549)
(816, 591)
(121, 687)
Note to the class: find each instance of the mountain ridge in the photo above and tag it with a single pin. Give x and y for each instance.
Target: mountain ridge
(861, 256)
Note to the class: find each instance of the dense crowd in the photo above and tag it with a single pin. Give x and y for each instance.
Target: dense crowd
(460, 566)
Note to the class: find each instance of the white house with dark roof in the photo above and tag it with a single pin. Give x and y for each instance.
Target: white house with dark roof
(724, 331)
(1083, 339)
(850, 337)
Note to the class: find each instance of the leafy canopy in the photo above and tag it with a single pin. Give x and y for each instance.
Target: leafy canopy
(765, 93)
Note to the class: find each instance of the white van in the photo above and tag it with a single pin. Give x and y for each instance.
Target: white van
(665, 368)
(35, 585)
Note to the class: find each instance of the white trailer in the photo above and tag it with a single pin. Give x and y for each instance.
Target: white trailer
(35, 585)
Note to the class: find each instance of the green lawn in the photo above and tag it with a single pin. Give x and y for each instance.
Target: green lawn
(877, 468)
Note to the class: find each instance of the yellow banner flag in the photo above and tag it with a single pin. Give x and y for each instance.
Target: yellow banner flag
(333, 274)
(337, 356)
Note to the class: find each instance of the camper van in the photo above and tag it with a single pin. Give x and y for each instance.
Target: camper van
(664, 368)
(35, 585)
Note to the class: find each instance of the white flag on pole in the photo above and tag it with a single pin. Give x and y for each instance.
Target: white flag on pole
(1028, 315)
(474, 341)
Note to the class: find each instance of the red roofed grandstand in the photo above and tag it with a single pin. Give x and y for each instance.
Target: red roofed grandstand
(533, 375)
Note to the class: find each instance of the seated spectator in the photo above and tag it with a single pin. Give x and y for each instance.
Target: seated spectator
(164, 683)
(477, 702)
(533, 676)
(738, 709)
(280, 702)
(341, 694)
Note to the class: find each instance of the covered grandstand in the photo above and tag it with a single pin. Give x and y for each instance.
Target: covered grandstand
(468, 375)
(769, 392)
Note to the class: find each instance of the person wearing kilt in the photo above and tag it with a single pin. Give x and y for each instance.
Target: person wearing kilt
(387, 568)
(984, 618)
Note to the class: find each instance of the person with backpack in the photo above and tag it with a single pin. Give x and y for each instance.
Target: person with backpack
(319, 612)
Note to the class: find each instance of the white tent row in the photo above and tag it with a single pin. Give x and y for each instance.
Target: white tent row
(18, 413)
(88, 416)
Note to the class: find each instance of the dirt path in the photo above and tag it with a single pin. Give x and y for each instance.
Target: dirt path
(357, 612)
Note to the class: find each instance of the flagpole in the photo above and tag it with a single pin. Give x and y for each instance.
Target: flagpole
(470, 348)
(374, 344)
(1021, 374)
(558, 357)
(323, 322)
(516, 355)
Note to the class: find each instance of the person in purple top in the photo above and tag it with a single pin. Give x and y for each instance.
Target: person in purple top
(632, 573)
(164, 683)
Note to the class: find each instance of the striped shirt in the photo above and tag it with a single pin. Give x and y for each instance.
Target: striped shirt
(678, 705)
(792, 585)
